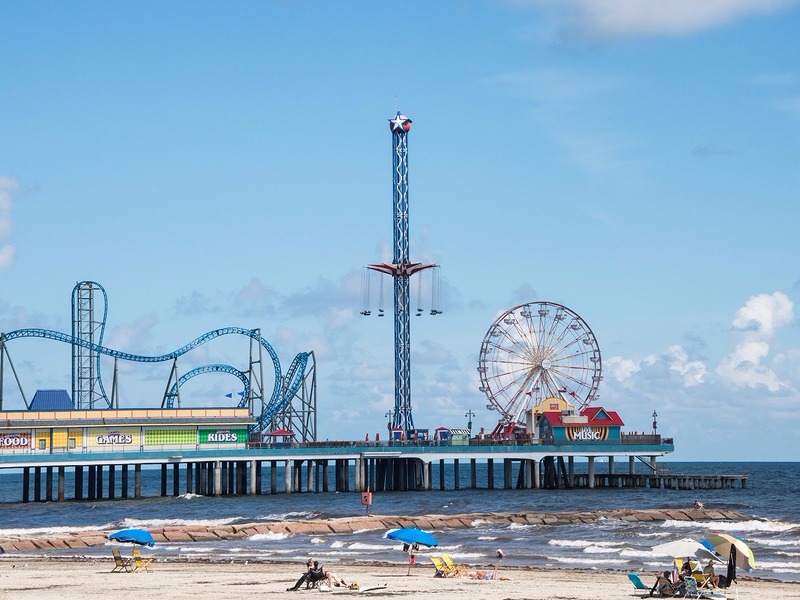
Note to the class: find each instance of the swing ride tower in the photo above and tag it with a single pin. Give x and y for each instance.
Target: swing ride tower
(401, 270)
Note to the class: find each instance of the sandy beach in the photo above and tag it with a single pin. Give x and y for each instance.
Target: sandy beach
(45, 579)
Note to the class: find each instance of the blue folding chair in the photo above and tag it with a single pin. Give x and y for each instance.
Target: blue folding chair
(640, 589)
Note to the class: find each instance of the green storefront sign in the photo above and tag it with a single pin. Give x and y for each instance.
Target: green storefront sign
(223, 436)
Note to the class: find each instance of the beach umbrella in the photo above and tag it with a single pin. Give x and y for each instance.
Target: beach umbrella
(412, 538)
(733, 547)
(687, 548)
(135, 536)
(412, 535)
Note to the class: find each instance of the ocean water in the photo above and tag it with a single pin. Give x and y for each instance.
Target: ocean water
(770, 501)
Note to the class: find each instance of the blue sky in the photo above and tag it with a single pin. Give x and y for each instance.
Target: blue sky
(229, 164)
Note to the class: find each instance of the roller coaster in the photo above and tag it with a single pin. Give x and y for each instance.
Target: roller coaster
(291, 405)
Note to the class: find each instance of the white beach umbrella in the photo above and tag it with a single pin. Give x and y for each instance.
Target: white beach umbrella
(686, 548)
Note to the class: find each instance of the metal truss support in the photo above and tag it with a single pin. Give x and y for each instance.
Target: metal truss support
(255, 376)
(173, 390)
(300, 414)
(87, 389)
(4, 355)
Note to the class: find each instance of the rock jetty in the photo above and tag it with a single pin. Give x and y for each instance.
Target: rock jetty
(203, 533)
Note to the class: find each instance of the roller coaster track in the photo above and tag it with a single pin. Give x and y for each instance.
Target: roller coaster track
(282, 394)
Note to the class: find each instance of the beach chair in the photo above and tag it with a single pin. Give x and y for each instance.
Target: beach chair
(442, 570)
(121, 565)
(690, 588)
(452, 568)
(639, 588)
(140, 563)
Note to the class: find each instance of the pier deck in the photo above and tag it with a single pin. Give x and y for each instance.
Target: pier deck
(354, 466)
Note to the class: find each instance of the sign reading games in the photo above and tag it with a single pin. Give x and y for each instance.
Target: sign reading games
(113, 438)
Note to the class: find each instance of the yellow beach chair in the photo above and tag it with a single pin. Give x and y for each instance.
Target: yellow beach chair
(452, 568)
(140, 563)
(441, 568)
(120, 564)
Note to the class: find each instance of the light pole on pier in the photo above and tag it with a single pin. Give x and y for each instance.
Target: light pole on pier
(389, 416)
(469, 415)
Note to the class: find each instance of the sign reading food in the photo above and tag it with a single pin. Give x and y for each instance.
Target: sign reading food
(15, 440)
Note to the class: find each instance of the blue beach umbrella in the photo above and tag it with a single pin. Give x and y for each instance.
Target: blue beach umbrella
(140, 537)
(412, 535)
(412, 538)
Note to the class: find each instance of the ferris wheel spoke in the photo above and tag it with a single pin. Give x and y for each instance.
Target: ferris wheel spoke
(520, 344)
(507, 379)
(511, 390)
(520, 354)
(521, 398)
(573, 381)
(528, 335)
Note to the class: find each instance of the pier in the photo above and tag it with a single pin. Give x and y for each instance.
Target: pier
(353, 467)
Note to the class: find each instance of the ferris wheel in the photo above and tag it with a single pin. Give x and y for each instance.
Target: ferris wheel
(536, 351)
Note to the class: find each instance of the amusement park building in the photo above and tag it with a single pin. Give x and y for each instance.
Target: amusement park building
(116, 430)
(555, 421)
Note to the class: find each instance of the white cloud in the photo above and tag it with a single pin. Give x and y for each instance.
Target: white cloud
(692, 372)
(751, 363)
(7, 251)
(7, 187)
(621, 369)
(763, 314)
(601, 19)
(7, 254)
(754, 326)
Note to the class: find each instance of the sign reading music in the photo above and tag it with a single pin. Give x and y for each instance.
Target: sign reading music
(587, 434)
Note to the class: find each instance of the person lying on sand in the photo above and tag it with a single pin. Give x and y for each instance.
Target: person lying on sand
(486, 575)
(334, 579)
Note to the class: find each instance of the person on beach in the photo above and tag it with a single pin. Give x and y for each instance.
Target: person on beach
(686, 568)
(664, 586)
(486, 575)
(313, 574)
(303, 577)
(711, 579)
(334, 580)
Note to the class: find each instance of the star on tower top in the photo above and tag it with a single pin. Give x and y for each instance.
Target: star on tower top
(400, 123)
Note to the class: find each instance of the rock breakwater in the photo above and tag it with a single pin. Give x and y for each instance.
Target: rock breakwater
(202, 533)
